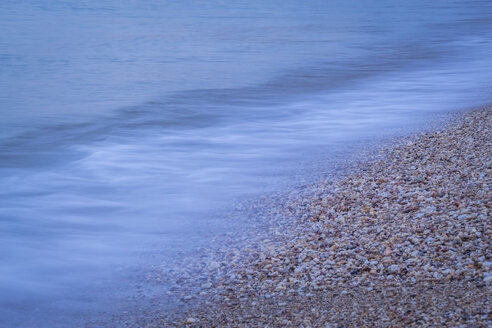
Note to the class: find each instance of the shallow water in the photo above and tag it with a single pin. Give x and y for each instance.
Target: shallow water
(125, 125)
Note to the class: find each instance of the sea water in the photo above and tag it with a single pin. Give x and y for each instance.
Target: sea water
(129, 124)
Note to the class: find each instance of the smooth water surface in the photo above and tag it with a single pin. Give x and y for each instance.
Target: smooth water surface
(125, 124)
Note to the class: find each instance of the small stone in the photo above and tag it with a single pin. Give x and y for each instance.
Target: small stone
(207, 285)
(191, 320)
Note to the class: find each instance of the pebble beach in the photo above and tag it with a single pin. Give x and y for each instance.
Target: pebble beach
(403, 241)
(245, 163)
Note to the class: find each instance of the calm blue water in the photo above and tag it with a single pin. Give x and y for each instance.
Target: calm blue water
(124, 124)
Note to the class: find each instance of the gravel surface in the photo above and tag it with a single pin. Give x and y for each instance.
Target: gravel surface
(404, 241)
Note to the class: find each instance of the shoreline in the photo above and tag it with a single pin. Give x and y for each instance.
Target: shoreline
(403, 240)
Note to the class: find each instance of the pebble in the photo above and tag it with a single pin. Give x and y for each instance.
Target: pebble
(191, 320)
